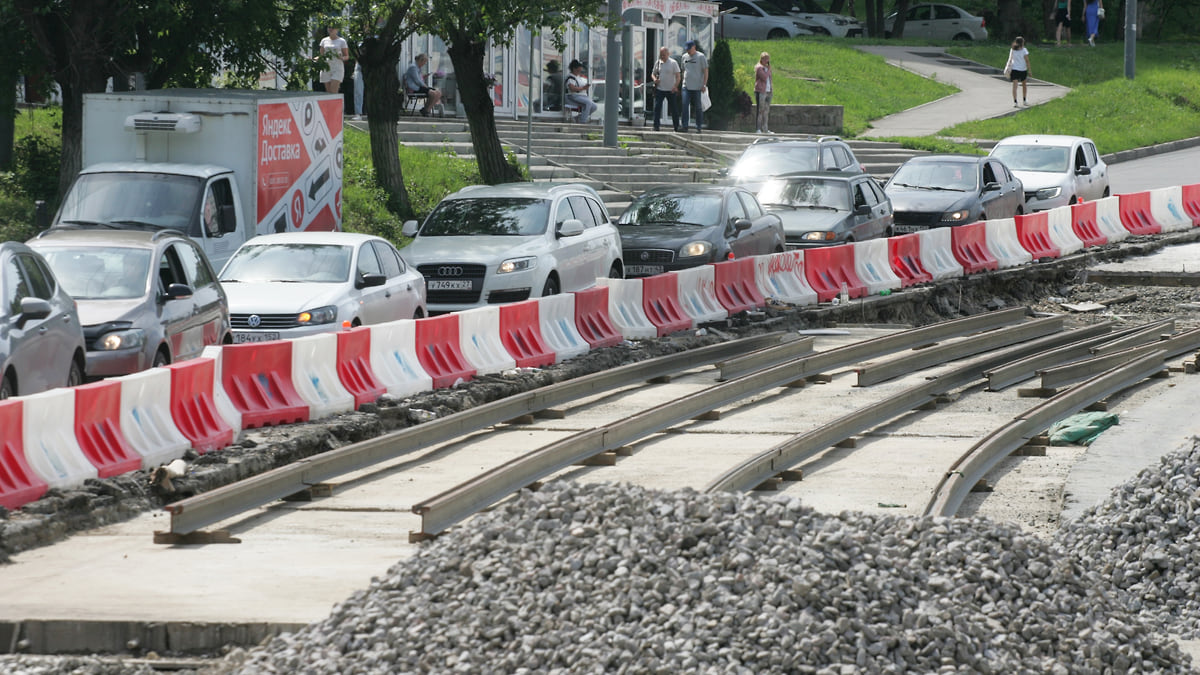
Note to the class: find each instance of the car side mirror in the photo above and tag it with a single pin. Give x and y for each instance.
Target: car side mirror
(178, 292)
(991, 187)
(571, 227)
(862, 210)
(228, 219)
(1083, 171)
(33, 308)
(742, 224)
(409, 229)
(369, 280)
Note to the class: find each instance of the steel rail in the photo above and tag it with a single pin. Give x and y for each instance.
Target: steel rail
(973, 465)
(734, 368)
(451, 506)
(1053, 378)
(1148, 334)
(195, 513)
(1027, 368)
(758, 469)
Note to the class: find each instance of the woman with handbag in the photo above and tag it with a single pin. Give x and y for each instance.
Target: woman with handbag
(1093, 11)
(1018, 69)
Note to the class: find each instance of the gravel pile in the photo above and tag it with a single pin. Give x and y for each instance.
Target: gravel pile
(591, 578)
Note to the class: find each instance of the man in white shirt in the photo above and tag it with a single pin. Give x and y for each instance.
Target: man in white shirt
(667, 79)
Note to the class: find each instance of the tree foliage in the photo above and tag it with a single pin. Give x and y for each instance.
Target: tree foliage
(722, 89)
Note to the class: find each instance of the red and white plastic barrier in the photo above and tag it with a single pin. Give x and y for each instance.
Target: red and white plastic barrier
(873, 267)
(937, 254)
(1062, 231)
(314, 374)
(1108, 218)
(697, 294)
(1002, 241)
(660, 303)
(781, 277)
(146, 417)
(479, 338)
(625, 308)
(557, 316)
(1166, 207)
(521, 334)
(394, 358)
(50, 445)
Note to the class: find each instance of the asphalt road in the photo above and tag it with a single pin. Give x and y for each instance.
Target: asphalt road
(1173, 168)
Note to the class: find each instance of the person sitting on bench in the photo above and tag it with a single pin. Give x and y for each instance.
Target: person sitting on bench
(577, 92)
(414, 83)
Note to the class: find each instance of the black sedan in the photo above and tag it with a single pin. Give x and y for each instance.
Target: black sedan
(944, 190)
(681, 226)
(824, 209)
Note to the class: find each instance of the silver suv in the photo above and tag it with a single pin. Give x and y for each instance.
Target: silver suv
(770, 157)
(146, 297)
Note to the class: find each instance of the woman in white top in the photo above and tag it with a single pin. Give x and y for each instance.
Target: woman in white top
(339, 52)
(1018, 69)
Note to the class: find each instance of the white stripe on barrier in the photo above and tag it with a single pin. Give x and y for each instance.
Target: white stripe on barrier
(1108, 219)
(625, 308)
(146, 417)
(232, 416)
(872, 266)
(556, 315)
(698, 295)
(781, 276)
(50, 444)
(1001, 237)
(314, 375)
(479, 337)
(937, 254)
(1062, 232)
(394, 358)
(1166, 205)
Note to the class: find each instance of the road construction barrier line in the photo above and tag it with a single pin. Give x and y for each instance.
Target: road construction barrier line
(1001, 237)
(904, 254)
(1135, 214)
(592, 319)
(830, 269)
(557, 316)
(937, 253)
(780, 277)
(394, 358)
(194, 407)
(1062, 232)
(258, 378)
(1108, 219)
(969, 244)
(625, 308)
(521, 334)
(697, 294)
(479, 336)
(1166, 208)
(146, 417)
(439, 350)
(873, 267)
(315, 377)
(1190, 196)
(1033, 233)
(98, 429)
(735, 286)
(660, 302)
(354, 365)
(50, 445)
(19, 483)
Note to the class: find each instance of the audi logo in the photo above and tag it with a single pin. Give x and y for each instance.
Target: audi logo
(450, 271)
(254, 321)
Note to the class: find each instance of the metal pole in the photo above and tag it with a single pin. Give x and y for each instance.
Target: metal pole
(529, 106)
(612, 75)
(1130, 37)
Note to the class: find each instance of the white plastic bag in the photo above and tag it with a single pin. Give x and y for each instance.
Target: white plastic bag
(705, 101)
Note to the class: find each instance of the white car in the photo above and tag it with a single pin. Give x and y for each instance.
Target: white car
(750, 20)
(506, 243)
(288, 285)
(821, 21)
(938, 22)
(1055, 170)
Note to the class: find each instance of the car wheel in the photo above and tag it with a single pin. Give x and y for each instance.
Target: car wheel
(615, 272)
(1020, 211)
(963, 36)
(551, 287)
(8, 388)
(161, 358)
(75, 374)
(778, 34)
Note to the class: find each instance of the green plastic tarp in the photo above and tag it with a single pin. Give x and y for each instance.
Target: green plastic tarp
(1081, 429)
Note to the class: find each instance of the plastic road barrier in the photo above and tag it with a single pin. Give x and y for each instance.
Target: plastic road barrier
(625, 308)
(1136, 215)
(354, 365)
(257, 377)
(521, 334)
(1166, 208)
(829, 269)
(873, 267)
(1084, 223)
(19, 484)
(1190, 196)
(49, 439)
(479, 336)
(592, 319)
(937, 253)
(660, 302)
(231, 415)
(146, 417)
(194, 407)
(969, 244)
(557, 316)
(314, 374)
(1033, 232)
(736, 286)
(1001, 236)
(1108, 218)
(98, 429)
(780, 277)
(1062, 232)
(697, 294)
(904, 253)
(439, 351)
(394, 358)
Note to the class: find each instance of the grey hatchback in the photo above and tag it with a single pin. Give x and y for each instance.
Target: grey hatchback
(41, 341)
(146, 297)
(824, 209)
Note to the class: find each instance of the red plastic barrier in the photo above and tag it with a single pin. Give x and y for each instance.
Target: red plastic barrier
(1033, 231)
(1085, 224)
(1136, 215)
(592, 320)
(827, 268)
(194, 408)
(1191, 202)
(354, 365)
(969, 245)
(904, 252)
(98, 429)
(258, 379)
(439, 351)
(736, 286)
(19, 485)
(660, 302)
(521, 334)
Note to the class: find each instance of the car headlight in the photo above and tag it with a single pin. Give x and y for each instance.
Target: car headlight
(959, 216)
(516, 265)
(132, 338)
(840, 22)
(818, 236)
(316, 316)
(1048, 193)
(693, 249)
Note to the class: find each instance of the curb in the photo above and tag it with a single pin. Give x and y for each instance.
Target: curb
(1150, 150)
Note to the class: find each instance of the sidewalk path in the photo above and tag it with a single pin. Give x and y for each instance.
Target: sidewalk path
(983, 92)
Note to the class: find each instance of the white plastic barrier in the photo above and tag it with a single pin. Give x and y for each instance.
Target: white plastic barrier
(232, 416)
(1166, 205)
(625, 308)
(872, 266)
(394, 358)
(937, 253)
(314, 375)
(781, 276)
(1108, 219)
(697, 291)
(146, 417)
(556, 316)
(1062, 234)
(1001, 237)
(479, 337)
(50, 444)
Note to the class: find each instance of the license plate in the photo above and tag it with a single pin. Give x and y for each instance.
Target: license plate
(909, 228)
(643, 270)
(266, 336)
(448, 285)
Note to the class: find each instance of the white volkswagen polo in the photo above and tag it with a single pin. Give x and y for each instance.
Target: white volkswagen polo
(506, 243)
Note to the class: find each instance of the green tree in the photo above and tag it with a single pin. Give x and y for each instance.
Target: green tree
(722, 89)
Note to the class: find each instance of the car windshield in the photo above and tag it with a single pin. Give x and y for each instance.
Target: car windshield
(1034, 158)
(674, 209)
(95, 273)
(289, 263)
(959, 176)
(515, 216)
(772, 10)
(806, 192)
(165, 200)
(772, 160)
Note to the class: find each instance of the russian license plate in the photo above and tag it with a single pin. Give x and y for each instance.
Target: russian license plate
(903, 229)
(255, 336)
(643, 270)
(448, 285)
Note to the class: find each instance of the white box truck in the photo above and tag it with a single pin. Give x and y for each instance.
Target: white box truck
(222, 165)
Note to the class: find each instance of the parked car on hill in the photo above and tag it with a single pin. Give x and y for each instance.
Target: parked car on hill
(823, 209)
(41, 340)
(288, 285)
(819, 20)
(506, 243)
(768, 157)
(943, 190)
(146, 296)
(938, 22)
(1055, 170)
(680, 226)
(758, 20)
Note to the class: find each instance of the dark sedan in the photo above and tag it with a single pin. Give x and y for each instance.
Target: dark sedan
(822, 209)
(681, 226)
(944, 190)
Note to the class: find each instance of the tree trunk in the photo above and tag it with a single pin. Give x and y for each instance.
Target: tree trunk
(901, 10)
(467, 58)
(1009, 20)
(89, 77)
(381, 86)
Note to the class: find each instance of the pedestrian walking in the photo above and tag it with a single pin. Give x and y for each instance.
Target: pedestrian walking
(695, 84)
(762, 92)
(1062, 22)
(1018, 69)
(667, 79)
(1093, 11)
(337, 52)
